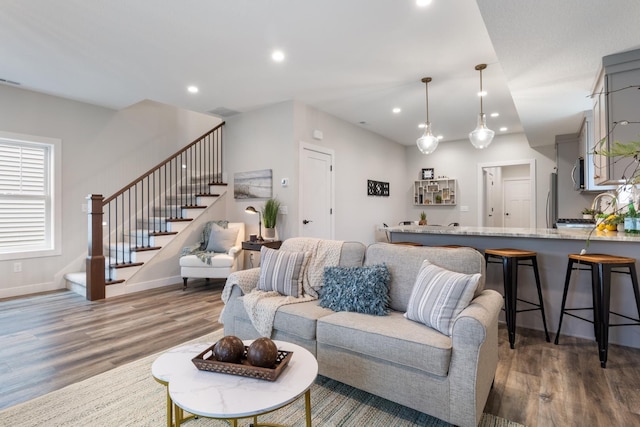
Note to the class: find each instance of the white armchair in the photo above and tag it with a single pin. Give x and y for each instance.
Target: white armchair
(217, 255)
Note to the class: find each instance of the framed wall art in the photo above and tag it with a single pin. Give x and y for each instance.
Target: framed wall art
(427, 173)
(253, 184)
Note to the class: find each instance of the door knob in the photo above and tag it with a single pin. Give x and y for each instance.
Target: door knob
(306, 221)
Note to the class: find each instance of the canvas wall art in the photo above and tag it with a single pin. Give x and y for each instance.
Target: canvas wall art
(253, 184)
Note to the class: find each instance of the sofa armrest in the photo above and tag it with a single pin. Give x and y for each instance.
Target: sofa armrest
(234, 251)
(474, 357)
(244, 280)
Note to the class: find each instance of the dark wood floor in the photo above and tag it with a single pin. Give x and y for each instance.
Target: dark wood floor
(51, 340)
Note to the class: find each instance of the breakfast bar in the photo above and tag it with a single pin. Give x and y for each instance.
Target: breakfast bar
(553, 247)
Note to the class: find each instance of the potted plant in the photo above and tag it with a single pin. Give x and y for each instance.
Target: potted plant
(423, 218)
(588, 213)
(270, 212)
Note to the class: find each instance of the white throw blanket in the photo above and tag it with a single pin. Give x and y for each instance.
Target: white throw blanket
(262, 306)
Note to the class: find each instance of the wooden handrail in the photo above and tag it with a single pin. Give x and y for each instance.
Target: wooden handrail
(158, 166)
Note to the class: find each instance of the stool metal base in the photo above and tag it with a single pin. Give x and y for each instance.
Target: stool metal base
(510, 260)
(601, 267)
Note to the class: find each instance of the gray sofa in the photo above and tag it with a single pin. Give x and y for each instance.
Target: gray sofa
(390, 356)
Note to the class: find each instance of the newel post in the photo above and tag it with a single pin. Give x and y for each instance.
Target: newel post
(95, 255)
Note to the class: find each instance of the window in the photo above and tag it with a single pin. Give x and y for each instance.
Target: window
(29, 223)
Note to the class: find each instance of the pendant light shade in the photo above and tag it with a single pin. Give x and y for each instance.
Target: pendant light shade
(481, 136)
(427, 143)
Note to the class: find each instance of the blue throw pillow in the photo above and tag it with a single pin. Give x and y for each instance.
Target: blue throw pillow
(360, 289)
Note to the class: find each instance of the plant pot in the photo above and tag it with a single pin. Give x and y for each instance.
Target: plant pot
(422, 222)
(269, 233)
(620, 227)
(587, 216)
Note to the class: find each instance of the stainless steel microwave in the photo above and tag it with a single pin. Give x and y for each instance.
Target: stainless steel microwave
(577, 174)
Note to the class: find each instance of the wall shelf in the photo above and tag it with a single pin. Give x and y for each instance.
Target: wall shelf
(435, 192)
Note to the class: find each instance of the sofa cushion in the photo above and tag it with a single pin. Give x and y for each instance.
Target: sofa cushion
(217, 261)
(221, 240)
(404, 263)
(391, 338)
(300, 319)
(439, 295)
(282, 271)
(360, 289)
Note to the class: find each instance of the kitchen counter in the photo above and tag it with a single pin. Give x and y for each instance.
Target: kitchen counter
(582, 234)
(553, 246)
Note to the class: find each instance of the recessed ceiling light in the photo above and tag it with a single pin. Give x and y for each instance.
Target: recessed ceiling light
(440, 137)
(423, 3)
(193, 89)
(495, 114)
(277, 55)
(503, 129)
(396, 110)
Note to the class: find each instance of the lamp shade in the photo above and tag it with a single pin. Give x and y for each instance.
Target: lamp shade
(481, 136)
(427, 143)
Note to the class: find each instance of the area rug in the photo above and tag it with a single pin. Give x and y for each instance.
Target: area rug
(129, 396)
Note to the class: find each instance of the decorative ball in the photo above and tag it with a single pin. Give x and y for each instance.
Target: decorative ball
(262, 352)
(228, 349)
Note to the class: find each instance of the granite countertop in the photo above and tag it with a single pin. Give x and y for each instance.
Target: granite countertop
(535, 233)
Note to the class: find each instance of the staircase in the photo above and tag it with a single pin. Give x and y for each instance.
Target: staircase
(131, 227)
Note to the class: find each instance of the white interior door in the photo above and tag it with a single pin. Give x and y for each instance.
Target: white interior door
(316, 192)
(517, 202)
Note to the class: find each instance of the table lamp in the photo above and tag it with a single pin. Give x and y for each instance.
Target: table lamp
(252, 210)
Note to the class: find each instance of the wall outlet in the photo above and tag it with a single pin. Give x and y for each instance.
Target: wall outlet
(284, 210)
(464, 208)
(17, 267)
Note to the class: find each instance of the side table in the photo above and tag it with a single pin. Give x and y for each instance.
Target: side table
(256, 246)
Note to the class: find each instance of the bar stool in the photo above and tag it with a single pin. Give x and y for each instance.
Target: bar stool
(601, 267)
(511, 259)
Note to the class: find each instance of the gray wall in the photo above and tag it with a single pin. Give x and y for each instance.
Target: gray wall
(459, 159)
(270, 138)
(102, 150)
(126, 143)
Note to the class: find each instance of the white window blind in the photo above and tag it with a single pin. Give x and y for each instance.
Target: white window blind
(25, 196)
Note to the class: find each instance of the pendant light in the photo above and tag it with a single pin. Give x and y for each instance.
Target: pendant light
(427, 143)
(481, 136)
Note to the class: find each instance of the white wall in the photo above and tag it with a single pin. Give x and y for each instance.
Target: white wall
(270, 138)
(102, 150)
(459, 160)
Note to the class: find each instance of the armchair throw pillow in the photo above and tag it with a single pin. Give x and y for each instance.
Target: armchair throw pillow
(439, 296)
(282, 271)
(360, 289)
(221, 239)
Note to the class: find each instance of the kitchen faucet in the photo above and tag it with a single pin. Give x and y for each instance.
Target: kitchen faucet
(612, 203)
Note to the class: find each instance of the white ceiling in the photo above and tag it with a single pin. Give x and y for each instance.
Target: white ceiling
(355, 59)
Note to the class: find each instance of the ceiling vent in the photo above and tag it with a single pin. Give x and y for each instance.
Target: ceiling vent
(223, 112)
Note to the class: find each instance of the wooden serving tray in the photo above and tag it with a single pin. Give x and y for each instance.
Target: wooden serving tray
(206, 361)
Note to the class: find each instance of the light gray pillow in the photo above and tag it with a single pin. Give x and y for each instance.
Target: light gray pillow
(222, 239)
(282, 271)
(439, 296)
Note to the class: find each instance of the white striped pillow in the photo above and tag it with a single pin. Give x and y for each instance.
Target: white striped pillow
(439, 296)
(282, 271)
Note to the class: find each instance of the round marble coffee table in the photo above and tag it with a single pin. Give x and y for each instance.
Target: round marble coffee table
(172, 363)
(232, 397)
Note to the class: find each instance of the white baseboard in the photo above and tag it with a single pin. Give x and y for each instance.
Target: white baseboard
(34, 288)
